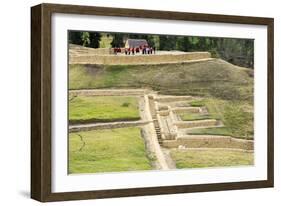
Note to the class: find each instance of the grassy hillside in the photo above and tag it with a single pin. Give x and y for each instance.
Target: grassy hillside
(215, 78)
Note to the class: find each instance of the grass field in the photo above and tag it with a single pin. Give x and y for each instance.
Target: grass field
(107, 151)
(210, 158)
(224, 131)
(102, 108)
(215, 78)
(187, 116)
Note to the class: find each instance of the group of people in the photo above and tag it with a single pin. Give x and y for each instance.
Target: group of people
(117, 50)
(137, 50)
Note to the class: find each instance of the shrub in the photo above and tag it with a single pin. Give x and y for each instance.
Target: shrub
(125, 104)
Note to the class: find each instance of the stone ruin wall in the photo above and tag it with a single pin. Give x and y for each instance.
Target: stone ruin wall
(201, 141)
(137, 59)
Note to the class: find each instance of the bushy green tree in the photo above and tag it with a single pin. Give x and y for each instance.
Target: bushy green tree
(94, 39)
(85, 37)
(74, 37)
(184, 44)
(89, 39)
(167, 42)
(118, 40)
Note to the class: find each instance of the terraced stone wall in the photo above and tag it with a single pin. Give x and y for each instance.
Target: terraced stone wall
(137, 59)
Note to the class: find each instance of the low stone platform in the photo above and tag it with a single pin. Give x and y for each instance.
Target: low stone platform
(196, 123)
(170, 57)
(209, 141)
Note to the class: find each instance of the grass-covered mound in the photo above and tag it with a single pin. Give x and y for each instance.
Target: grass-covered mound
(214, 77)
(83, 109)
(210, 158)
(107, 151)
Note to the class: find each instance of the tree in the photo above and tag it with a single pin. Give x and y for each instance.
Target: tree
(167, 42)
(85, 37)
(184, 44)
(94, 39)
(117, 40)
(74, 37)
(249, 51)
(88, 39)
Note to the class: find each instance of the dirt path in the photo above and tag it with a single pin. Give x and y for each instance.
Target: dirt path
(169, 160)
(152, 137)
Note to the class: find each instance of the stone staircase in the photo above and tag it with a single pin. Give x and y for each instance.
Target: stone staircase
(154, 118)
(158, 132)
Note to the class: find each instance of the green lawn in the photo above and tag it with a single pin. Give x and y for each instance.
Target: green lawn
(109, 150)
(84, 109)
(197, 103)
(210, 158)
(224, 131)
(188, 116)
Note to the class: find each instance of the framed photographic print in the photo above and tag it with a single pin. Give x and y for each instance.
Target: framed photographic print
(130, 102)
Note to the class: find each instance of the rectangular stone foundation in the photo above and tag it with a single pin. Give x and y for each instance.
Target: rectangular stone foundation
(196, 123)
(210, 142)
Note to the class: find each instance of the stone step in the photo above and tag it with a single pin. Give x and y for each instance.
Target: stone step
(157, 130)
